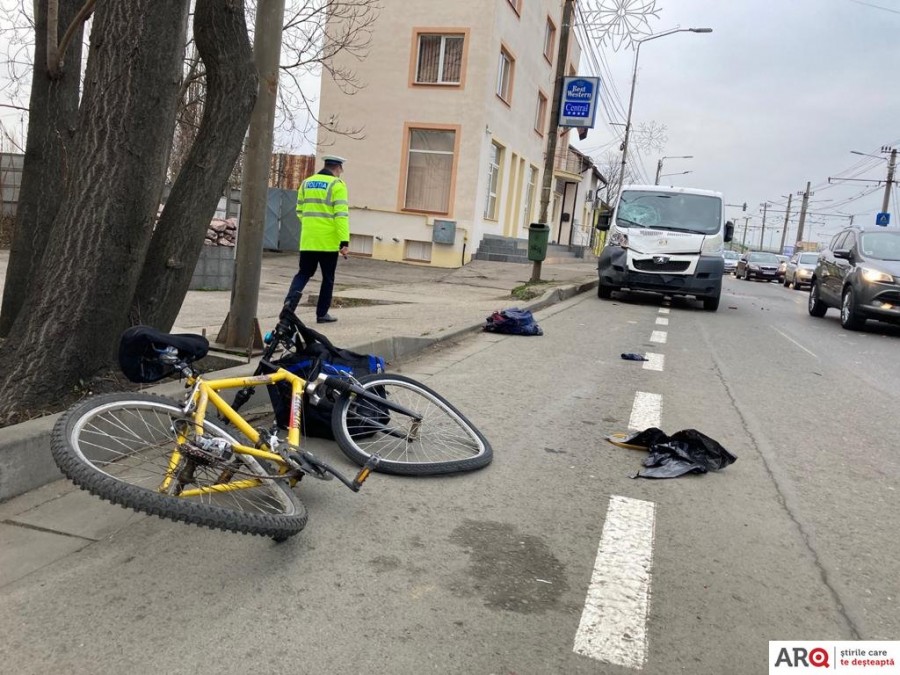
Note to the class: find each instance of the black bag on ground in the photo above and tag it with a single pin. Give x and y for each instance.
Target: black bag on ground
(317, 355)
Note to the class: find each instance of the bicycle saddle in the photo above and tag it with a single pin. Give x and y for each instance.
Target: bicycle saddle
(140, 347)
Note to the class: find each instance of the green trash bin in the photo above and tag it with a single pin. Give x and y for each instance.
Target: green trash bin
(538, 235)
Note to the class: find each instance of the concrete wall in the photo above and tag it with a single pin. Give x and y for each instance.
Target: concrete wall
(215, 269)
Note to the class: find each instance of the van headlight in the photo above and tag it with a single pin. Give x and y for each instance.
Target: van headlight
(618, 239)
(712, 246)
(874, 276)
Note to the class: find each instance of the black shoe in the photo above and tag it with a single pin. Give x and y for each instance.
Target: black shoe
(325, 319)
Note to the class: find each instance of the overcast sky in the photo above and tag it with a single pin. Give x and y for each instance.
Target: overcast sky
(777, 95)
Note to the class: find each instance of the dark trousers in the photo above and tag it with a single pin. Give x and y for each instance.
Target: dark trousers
(326, 261)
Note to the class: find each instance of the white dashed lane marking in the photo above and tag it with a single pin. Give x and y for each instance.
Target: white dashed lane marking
(654, 361)
(613, 626)
(660, 321)
(664, 310)
(646, 411)
(659, 336)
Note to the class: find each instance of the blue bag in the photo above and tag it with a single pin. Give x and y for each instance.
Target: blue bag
(317, 355)
(513, 321)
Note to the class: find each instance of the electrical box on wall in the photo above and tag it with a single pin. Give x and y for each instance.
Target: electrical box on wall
(444, 232)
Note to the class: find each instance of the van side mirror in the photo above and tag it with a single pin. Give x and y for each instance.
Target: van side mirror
(603, 221)
(729, 231)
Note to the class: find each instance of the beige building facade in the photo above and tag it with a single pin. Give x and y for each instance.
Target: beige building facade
(453, 120)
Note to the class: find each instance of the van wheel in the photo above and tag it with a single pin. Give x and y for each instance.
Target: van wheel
(604, 292)
(711, 304)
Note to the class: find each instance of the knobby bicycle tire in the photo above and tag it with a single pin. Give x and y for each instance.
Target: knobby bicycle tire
(445, 441)
(116, 446)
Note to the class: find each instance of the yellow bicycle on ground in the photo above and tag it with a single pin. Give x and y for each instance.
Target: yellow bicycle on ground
(166, 458)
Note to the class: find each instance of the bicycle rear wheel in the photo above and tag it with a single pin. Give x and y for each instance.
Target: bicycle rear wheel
(444, 441)
(119, 448)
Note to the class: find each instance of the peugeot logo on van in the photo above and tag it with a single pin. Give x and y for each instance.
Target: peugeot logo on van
(660, 259)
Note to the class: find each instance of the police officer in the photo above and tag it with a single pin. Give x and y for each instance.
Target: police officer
(324, 215)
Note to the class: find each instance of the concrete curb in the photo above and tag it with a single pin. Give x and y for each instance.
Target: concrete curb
(25, 459)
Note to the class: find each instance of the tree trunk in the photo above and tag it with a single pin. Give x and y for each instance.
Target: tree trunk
(78, 304)
(52, 117)
(220, 30)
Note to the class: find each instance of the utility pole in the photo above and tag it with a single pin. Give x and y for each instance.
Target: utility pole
(803, 206)
(890, 179)
(562, 57)
(787, 215)
(762, 233)
(241, 328)
(744, 238)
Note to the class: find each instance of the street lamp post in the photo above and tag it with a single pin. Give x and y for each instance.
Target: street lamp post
(637, 54)
(680, 173)
(659, 165)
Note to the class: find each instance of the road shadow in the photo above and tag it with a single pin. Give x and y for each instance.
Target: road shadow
(657, 299)
(872, 327)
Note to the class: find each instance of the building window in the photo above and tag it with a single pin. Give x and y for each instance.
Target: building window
(440, 59)
(540, 117)
(493, 183)
(505, 75)
(361, 244)
(529, 197)
(417, 250)
(429, 170)
(549, 40)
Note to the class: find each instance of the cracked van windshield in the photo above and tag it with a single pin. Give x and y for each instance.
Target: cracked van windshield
(665, 211)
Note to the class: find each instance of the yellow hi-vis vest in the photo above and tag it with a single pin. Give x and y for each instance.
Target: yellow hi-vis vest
(324, 213)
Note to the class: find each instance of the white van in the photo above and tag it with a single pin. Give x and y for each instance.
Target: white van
(666, 240)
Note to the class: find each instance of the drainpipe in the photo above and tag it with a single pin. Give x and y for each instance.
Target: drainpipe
(562, 210)
(572, 217)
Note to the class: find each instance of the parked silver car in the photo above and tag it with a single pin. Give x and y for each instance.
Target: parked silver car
(799, 270)
(731, 261)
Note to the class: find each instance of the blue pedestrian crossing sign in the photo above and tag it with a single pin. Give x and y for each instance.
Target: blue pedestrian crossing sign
(579, 101)
(883, 219)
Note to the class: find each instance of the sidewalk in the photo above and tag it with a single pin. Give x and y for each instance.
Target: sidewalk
(377, 300)
(390, 309)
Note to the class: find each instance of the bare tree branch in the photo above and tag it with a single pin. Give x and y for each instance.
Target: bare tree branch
(83, 15)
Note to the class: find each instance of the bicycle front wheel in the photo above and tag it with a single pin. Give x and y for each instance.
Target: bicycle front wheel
(443, 441)
(124, 448)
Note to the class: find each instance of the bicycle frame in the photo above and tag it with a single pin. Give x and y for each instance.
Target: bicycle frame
(205, 392)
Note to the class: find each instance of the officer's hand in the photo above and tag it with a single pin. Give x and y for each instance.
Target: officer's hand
(344, 251)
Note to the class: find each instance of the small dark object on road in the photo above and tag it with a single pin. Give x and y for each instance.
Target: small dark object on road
(634, 357)
(687, 451)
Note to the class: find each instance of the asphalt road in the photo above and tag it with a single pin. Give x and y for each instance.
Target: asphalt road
(490, 572)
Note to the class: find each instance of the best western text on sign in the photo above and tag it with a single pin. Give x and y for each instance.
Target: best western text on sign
(578, 107)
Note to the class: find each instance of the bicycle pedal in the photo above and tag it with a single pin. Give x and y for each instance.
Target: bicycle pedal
(370, 465)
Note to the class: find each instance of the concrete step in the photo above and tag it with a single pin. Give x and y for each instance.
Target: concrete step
(493, 245)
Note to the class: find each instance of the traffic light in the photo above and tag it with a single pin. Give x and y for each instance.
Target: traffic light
(744, 208)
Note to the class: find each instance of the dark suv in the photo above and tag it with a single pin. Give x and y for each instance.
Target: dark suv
(860, 273)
